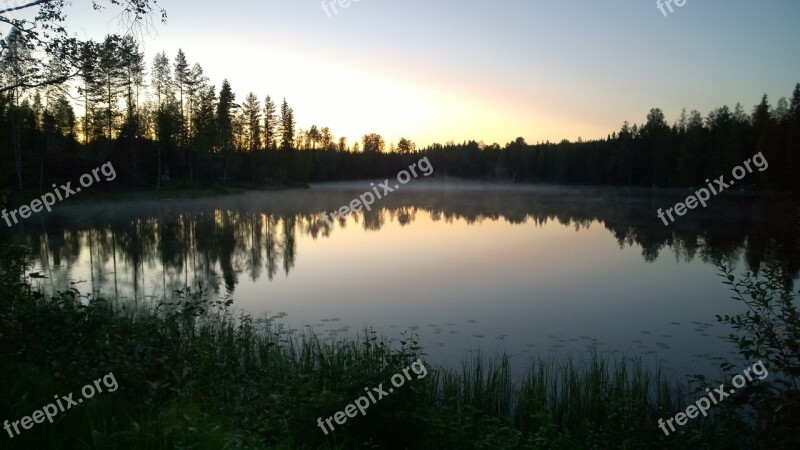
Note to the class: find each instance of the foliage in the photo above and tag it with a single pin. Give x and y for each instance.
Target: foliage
(769, 331)
(44, 32)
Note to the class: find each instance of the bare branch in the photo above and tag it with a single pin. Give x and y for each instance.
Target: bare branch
(17, 8)
(47, 82)
(47, 35)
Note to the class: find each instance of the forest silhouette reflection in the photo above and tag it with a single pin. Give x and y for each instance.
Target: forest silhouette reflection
(218, 240)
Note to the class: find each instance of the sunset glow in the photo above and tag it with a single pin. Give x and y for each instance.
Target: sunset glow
(476, 70)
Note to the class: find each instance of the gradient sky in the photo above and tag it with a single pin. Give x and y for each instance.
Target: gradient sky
(434, 71)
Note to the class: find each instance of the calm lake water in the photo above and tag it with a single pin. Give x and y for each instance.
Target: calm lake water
(528, 270)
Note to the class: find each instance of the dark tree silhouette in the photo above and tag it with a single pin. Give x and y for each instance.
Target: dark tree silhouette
(225, 108)
(187, 133)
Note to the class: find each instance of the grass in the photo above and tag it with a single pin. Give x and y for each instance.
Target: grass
(193, 374)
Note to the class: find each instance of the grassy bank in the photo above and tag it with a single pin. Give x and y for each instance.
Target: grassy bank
(192, 374)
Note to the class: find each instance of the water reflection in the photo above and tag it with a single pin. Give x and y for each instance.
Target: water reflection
(215, 242)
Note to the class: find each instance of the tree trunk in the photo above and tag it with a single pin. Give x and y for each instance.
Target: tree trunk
(17, 141)
(225, 171)
(158, 182)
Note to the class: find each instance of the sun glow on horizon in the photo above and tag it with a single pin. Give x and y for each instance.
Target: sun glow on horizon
(384, 68)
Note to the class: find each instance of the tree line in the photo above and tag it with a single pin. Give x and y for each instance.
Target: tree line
(167, 123)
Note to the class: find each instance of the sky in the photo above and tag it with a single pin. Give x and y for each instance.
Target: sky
(491, 71)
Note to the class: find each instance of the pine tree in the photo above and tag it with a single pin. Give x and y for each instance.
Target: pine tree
(182, 81)
(270, 124)
(104, 90)
(63, 115)
(132, 62)
(224, 121)
(15, 66)
(205, 128)
(313, 136)
(252, 112)
(161, 80)
(197, 89)
(88, 63)
(166, 112)
(794, 104)
(793, 139)
(287, 126)
(326, 139)
(761, 116)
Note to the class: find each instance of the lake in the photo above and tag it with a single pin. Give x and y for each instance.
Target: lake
(527, 270)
